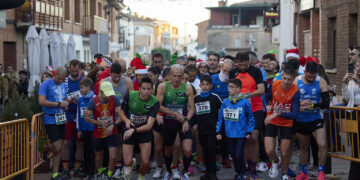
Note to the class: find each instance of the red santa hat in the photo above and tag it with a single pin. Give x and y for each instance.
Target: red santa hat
(200, 61)
(138, 65)
(292, 53)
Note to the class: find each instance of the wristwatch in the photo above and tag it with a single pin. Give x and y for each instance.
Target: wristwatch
(59, 103)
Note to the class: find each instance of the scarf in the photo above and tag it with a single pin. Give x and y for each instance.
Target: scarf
(88, 97)
(75, 79)
(205, 94)
(235, 99)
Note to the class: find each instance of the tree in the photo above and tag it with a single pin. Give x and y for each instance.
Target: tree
(18, 107)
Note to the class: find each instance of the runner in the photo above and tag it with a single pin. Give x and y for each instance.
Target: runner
(313, 97)
(138, 111)
(253, 87)
(175, 98)
(121, 85)
(103, 107)
(207, 110)
(213, 61)
(73, 93)
(86, 130)
(220, 87)
(238, 125)
(282, 108)
(140, 72)
(52, 98)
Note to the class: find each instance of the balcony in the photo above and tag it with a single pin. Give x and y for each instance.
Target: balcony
(46, 14)
(95, 24)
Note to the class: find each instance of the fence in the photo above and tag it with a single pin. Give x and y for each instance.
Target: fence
(38, 136)
(343, 133)
(14, 148)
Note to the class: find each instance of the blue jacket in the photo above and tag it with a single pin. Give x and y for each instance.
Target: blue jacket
(82, 105)
(239, 119)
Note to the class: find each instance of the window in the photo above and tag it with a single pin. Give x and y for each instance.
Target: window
(67, 10)
(331, 63)
(353, 23)
(99, 10)
(235, 20)
(77, 11)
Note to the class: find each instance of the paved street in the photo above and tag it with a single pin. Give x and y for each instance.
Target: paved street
(340, 170)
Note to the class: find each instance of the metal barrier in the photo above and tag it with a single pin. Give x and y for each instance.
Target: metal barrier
(37, 131)
(343, 133)
(14, 148)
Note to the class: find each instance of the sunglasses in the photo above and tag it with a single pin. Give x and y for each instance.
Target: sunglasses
(203, 67)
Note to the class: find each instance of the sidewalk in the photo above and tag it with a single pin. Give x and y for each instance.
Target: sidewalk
(340, 169)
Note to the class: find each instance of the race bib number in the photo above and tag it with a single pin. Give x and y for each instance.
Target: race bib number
(202, 108)
(138, 120)
(108, 121)
(231, 114)
(74, 95)
(82, 112)
(174, 109)
(60, 118)
(310, 110)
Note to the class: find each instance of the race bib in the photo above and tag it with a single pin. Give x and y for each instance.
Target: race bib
(82, 111)
(138, 120)
(231, 114)
(74, 95)
(60, 118)
(202, 108)
(310, 110)
(175, 109)
(108, 120)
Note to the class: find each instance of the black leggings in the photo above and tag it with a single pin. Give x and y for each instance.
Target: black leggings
(208, 144)
(236, 147)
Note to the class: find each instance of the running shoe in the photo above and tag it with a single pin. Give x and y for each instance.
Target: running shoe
(254, 176)
(79, 173)
(128, 172)
(153, 164)
(140, 177)
(218, 168)
(167, 176)
(65, 174)
(185, 176)
(302, 176)
(118, 172)
(190, 171)
(321, 176)
(262, 167)
(285, 177)
(176, 175)
(226, 163)
(158, 173)
(273, 172)
(202, 167)
(56, 177)
(98, 176)
(291, 173)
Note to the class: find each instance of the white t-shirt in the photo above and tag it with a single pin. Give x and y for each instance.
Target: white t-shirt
(196, 85)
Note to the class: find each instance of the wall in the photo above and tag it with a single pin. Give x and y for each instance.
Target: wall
(70, 26)
(238, 38)
(220, 18)
(340, 12)
(287, 10)
(201, 40)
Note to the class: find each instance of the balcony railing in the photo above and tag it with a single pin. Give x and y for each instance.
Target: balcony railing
(95, 24)
(43, 14)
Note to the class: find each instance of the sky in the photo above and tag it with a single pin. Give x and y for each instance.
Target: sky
(184, 14)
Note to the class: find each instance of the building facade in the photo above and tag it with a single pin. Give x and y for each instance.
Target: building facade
(241, 27)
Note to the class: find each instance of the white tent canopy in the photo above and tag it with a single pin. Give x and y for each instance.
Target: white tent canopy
(55, 50)
(32, 39)
(63, 47)
(44, 50)
(71, 54)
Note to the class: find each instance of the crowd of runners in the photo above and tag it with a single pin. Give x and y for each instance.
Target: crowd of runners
(108, 121)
